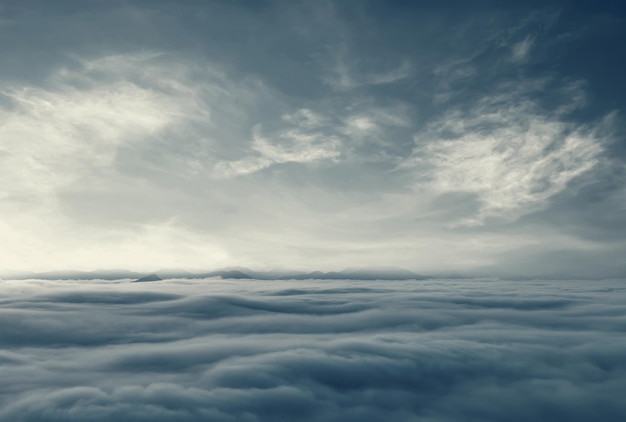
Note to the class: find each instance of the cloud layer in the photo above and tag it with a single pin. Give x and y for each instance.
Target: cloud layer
(313, 351)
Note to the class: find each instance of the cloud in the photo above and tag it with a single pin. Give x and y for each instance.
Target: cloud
(508, 152)
(521, 50)
(311, 137)
(99, 126)
(207, 349)
(292, 145)
(345, 73)
(53, 136)
(393, 75)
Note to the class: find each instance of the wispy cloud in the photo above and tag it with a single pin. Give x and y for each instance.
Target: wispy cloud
(308, 137)
(70, 132)
(520, 51)
(299, 143)
(345, 73)
(389, 76)
(510, 153)
(53, 135)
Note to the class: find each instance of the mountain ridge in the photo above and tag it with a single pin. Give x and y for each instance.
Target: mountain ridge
(227, 273)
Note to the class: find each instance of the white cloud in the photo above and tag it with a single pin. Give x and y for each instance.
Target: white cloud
(228, 169)
(306, 118)
(50, 138)
(360, 124)
(67, 134)
(507, 152)
(290, 145)
(370, 120)
(300, 147)
(330, 134)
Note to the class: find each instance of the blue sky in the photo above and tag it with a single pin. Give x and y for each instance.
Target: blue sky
(435, 136)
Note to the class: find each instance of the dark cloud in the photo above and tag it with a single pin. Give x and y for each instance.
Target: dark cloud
(483, 350)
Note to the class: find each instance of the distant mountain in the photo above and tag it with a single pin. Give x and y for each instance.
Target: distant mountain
(83, 275)
(115, 274)
(175, 273)
(347, 274)
(360, 274)
(229, 273)
(234, 274)
(149, 277)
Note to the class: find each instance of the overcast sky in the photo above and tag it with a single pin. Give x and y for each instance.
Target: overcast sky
(477, 137)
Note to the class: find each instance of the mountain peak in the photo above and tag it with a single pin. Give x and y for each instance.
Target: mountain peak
(149, 277)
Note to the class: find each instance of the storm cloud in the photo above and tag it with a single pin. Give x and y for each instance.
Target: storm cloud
(192, 350)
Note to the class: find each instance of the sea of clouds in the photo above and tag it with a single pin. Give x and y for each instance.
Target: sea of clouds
(217, 350)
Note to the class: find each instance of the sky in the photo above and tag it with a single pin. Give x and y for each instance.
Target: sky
(440, 137)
